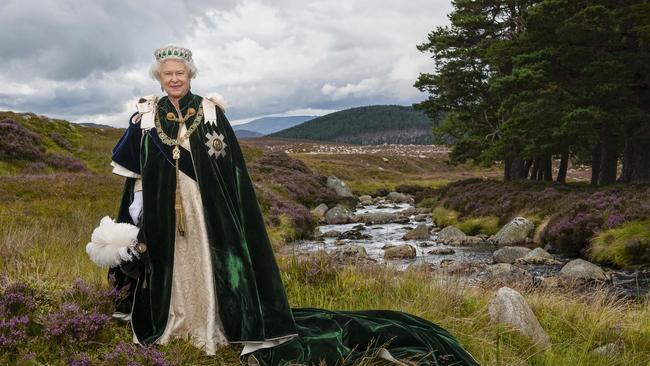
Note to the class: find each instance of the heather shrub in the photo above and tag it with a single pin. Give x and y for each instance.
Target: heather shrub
(294, 177)
(60, 140)
(19, 143)
(624, 246)
(127, 354)
(65, 162)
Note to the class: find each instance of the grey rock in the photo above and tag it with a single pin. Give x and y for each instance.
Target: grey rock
(403, 251)
(515, 232)
(421, 266)
(398, 197)
(507, 273)
(339, 186)
(421, 217)
(421, 232)
(337, 215)
(365, 197)
(609, 349)
(354, 235)
(331, 234)
(425, 244)
(388, 246)
(508, 307)
(451, 235)
(375, 218)
(320, 210)
(580, 269)
(442, 251)
(358, 227)
(350, 251)
(509, 254)
(539, 252)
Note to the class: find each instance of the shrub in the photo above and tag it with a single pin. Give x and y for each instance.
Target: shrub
(131, 354)
(624, 246)
(487, 225)
(444, 217)
(65, 162)
(19, 143)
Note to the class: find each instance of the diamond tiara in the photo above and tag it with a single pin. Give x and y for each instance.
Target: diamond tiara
(172, 51)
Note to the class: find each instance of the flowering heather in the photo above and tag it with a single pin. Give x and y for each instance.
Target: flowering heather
(131, 354)
(577, 213)
(60, 140)
(80, 359)
(19, 143)
(13, 331)
(295, 177)
(65, 162)
(17, 299)
(71, 323)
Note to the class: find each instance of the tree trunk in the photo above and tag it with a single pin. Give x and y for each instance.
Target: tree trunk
(534, 175)
(547, 168)
(564, 165)
(609, 157)
(595, 164)
(636, 161)
(513, 168)
(527, 165)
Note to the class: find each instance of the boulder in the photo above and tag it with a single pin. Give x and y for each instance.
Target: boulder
(337, 215)
(421, 217)
(403, 251)
(538, 256)
(441, 251)
(515, 232)
(398, 197)
(509, 254)
(339, 186)
(507, 273)
(354, 235)
(421, 232)
(375, 218)
(350, 253)
(451, 235)
(509, 307)
(365, 197)
(320, 210)
(331, 234)
(580, 269)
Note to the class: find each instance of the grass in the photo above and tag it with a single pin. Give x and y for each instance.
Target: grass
(46, 221)
(623, 246)
(486, 225)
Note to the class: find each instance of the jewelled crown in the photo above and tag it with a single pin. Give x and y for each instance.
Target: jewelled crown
(172, 51)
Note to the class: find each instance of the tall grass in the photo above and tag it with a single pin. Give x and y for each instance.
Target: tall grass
(46, 221)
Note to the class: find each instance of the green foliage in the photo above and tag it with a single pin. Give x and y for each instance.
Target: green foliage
(521, 81)
(623, 246)
(486, 225)
(369, 125)
(444, 217)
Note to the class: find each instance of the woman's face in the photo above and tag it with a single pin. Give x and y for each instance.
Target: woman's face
(174, 78)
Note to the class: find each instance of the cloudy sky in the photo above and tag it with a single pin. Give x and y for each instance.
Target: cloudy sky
(88, 60)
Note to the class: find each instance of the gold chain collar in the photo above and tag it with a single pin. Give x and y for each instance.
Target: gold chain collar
(178, 141)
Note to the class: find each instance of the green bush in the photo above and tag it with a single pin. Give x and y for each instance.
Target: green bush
(623, 246)
(444, 217)
(487, 225)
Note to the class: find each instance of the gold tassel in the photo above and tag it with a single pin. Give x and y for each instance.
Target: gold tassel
(180, 219)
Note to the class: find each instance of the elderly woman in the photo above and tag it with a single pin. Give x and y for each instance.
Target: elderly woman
(208, 272)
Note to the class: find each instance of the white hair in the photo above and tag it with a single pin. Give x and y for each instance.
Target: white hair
(154, 70)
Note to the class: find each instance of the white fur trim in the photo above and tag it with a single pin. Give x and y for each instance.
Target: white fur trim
(218, 99)
(110, 241)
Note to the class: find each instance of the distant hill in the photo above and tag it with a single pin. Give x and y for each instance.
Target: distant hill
(267, 125)
(247, 134)
(95, 125)
(369, 125)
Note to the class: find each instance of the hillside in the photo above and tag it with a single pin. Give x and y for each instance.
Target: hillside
(267, 125)
(368, 125)
(34, 144)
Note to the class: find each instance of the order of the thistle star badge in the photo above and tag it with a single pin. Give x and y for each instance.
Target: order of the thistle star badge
(216, 145)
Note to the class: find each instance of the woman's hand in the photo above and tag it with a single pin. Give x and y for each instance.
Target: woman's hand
(136, 207)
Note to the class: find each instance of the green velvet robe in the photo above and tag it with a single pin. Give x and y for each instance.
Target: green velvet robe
(251, 298)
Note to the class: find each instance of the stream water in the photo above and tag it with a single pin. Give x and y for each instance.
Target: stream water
(628, 284)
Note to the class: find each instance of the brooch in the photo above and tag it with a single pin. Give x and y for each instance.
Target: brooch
(216, 145)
